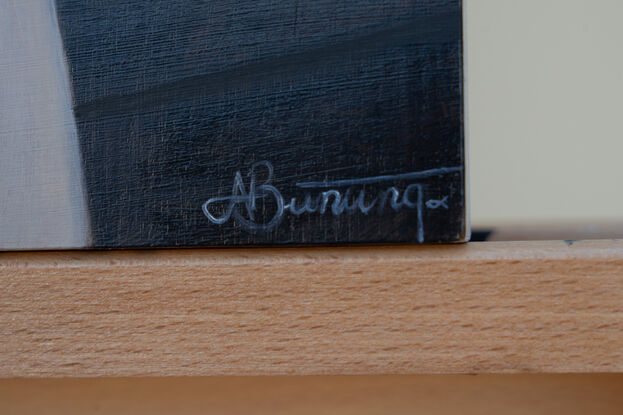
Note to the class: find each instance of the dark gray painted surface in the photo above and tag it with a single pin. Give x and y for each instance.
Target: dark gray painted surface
(173, 98)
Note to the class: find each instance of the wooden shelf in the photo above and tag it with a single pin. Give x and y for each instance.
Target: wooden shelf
(582, 394)
(477, 308)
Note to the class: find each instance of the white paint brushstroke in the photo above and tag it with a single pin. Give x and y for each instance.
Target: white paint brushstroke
(42, 197)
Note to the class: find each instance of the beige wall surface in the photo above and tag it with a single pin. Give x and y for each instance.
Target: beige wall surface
(544, 81)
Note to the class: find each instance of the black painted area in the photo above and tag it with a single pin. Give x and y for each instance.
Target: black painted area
(480, 235)
(173, 98)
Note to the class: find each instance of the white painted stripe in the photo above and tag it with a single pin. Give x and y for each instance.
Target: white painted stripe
(42, 198)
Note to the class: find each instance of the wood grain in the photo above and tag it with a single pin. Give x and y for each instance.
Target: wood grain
(476, 308)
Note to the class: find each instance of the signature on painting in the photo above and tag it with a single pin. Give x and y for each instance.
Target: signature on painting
(340, 197)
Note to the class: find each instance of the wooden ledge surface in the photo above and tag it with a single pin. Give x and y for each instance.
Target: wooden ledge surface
(523, 307)
(585, 394)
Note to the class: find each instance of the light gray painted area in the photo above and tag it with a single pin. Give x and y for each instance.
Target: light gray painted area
(42, 200)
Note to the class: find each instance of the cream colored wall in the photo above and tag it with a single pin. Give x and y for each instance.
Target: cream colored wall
(545, 109)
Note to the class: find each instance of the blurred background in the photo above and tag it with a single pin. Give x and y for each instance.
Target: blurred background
(544, 84)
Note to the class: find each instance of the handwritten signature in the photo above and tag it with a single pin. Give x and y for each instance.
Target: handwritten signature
(333, 199)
